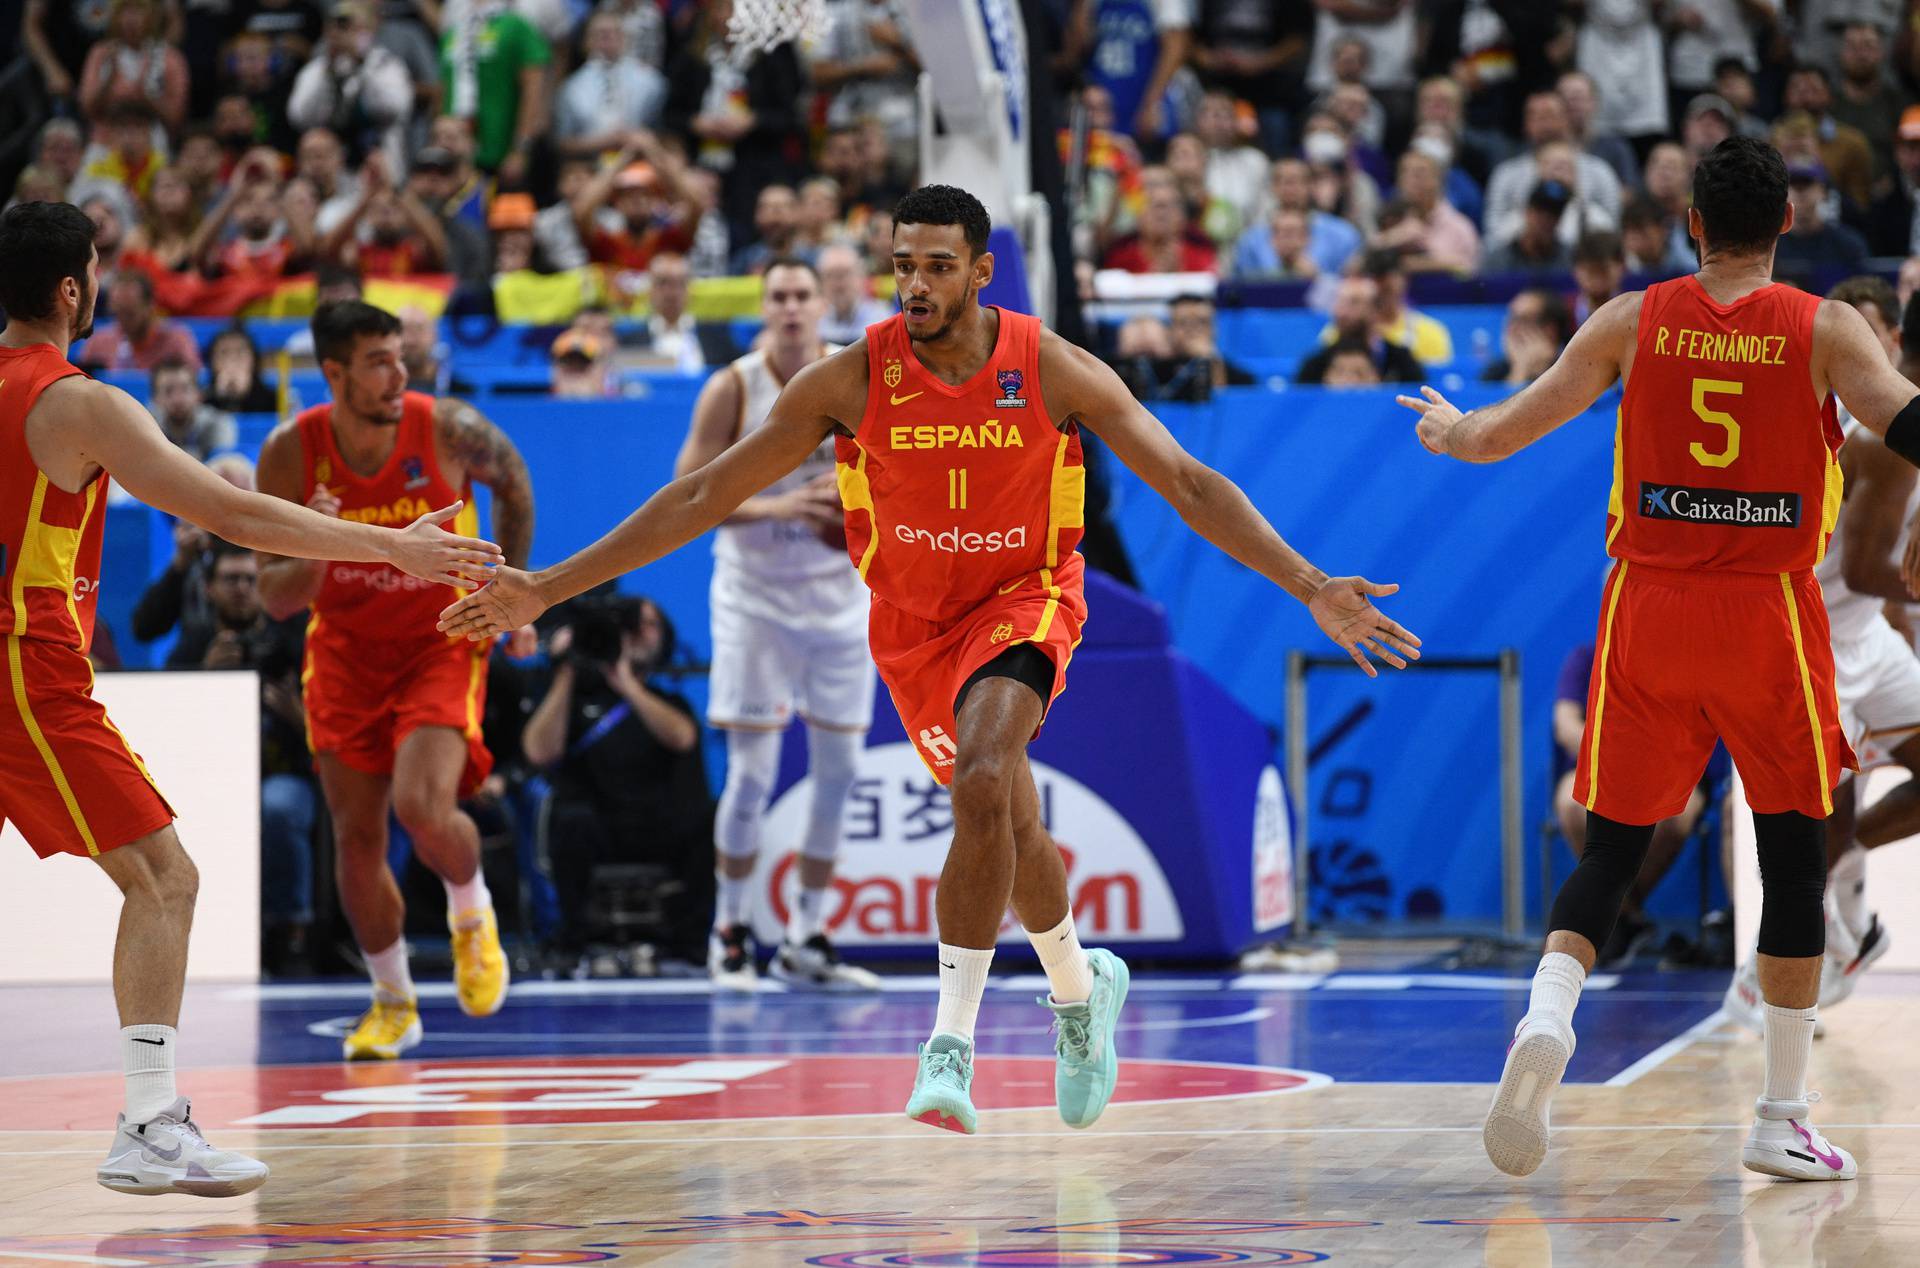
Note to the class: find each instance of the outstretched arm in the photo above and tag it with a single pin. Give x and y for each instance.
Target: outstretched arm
(716, 425)
(1849, 362)
(471, 442)
(1586, 368)
(813, 404)
(1083, 389)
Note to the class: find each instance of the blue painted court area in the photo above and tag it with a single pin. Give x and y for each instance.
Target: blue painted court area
(1353, 1027)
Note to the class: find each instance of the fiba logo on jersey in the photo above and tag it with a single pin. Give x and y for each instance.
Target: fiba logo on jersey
(894, 372)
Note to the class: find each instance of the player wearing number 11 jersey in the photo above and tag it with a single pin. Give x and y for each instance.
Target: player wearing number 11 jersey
(1725, 492)
(957, 434)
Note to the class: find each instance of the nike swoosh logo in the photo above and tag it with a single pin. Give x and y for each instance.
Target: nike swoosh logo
(902, 400)
(945, 965)
(163, 1155)
(158, 1043)
(1832, 1160)
(1011, 586)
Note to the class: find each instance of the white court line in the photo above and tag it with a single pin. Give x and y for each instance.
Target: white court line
(1671, 1048)
(704, 1142)
(73, 1259)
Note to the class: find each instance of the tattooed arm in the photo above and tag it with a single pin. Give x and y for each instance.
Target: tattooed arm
(472, 448)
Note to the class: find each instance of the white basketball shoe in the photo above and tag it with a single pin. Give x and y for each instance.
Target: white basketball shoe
(1517, 1126)
(169, 1155)
(1783, 1143)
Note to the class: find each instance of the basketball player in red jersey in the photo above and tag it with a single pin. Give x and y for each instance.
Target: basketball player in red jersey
(957, 434)
(1726, 490)
(68, 780)
(393, 706)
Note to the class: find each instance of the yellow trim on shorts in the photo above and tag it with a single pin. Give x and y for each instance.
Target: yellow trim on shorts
(476, 676)
(1600, 695)
(856, 494)
(1806, 690)
(46, 750)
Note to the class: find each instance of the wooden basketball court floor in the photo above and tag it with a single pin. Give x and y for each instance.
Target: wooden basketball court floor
(1261, 1119)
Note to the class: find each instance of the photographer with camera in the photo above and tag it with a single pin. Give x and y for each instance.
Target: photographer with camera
(623, 758)
(236, 633)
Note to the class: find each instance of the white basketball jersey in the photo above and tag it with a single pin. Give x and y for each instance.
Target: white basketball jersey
(1850, 614)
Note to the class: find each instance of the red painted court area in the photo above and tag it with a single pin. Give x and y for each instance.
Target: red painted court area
(609, 1090)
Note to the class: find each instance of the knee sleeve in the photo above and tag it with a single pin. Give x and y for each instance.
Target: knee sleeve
(1589, 902)
(1793, 880)
(832, 763)
(753, 759)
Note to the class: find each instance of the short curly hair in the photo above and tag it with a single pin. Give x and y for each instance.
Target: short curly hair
(1740, 190)
(946, 205)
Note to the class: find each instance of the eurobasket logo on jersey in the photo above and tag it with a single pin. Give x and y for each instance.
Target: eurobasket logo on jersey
(894, 372)
(415, 471)
(1719, 506)
(1011, 382)
(897, 825)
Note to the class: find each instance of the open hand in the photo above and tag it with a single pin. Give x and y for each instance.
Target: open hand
(507, 602)
(1437, 418)
(1341, 610)
(427, 551)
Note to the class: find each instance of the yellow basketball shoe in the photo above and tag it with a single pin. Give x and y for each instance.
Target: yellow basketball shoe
(384, 1031)
(479, 966)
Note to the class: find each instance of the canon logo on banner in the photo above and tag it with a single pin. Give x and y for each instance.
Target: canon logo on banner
(896, 829)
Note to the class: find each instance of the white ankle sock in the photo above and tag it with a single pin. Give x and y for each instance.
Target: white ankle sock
(808, 915)
(388, 969)
(146, 1054)
(1069, 976)
(1847, 883)
(1556, 987)
(1789, 1045)
(732, 896)
(963, 980)
(468, 896)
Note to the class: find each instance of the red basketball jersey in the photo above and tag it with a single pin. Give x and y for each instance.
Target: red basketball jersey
(953, 494)
(49, 538)
(374, 612)
(1724, 456)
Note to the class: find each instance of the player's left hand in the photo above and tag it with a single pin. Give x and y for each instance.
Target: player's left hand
(521, 643)
(1437, 418)
(1341, 609)
(507, 602)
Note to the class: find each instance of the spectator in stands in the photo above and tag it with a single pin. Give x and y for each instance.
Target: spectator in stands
(1164, 242)
(122, 153)
(649, 216)
(644, 23)
(171, 217)
(138, 339)
(511, 220)
(1190, 328)
(1349, 99)
(1331, 241)
(234, 381)
(1396, 322)
(1256, 53)
(1538, 326)
(237, 130)
(1441, 104)
(1582, 101)
(879, 243)
(1618, 43)
(673, 336)
(321, 161)
(556, 236)
(1236, 173)
(354, 86)
(258, 70)
(1668, 184)
(1130, 62)
(1350, 364)
(493, 65)
(865, 187)
(1383, 29)
(462, 189)
(747, 123)
(56, 35)
(1356, 319)
(867, 69)
(1338, 185)
(135, 64)
(1815, 244)
(233, 632)
(1711, 119)
(1599, 266)
(1289, 248)
(261, 249)
(388, 232)
(1890, 221)
(112, 221)
(818, 217)
(1869, 100)
(581, 368)
(1647, 239)
(848, 290)
(1433, 235)
(776, 226)
(623, 757)
(711, 254)
(37, 184)
(180, 591)
(1147, 361)
(1704, 37)
(1213, 216)
(1733, 84)
(188, 421)
(289, 28)
(405, 31)
(60, 148)
(424, 354)
(1511, 187)
(436, 182)
(1537, 248)
(1844, 151)
(613, 92)
(1459, 188)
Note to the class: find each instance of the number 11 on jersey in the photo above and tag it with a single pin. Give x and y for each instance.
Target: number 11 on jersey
(956, 488)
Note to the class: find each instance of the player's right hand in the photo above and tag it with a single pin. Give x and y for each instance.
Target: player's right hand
(427, 551)
(507, 602)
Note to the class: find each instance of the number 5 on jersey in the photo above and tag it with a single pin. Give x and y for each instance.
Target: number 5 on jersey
(1702, 388)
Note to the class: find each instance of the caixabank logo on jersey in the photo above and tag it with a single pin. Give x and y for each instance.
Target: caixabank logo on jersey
(1695, 505)
(895, 831)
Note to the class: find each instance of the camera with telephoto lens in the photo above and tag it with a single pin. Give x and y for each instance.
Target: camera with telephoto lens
(600, 625)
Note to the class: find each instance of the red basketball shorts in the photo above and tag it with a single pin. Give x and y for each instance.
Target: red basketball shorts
(925, 663)
(68, 780)
(361, 713)
(1685, 656)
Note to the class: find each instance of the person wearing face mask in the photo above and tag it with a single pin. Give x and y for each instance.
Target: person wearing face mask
(1338, 186)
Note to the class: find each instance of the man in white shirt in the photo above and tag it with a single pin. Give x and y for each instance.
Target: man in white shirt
(1546, 123)
(611, 94)
(851, 304)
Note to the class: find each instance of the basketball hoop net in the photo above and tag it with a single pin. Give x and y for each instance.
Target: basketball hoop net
(759, 26)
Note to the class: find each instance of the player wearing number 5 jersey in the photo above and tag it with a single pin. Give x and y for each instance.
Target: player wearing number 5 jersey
(1725, 493)
(957, 430)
